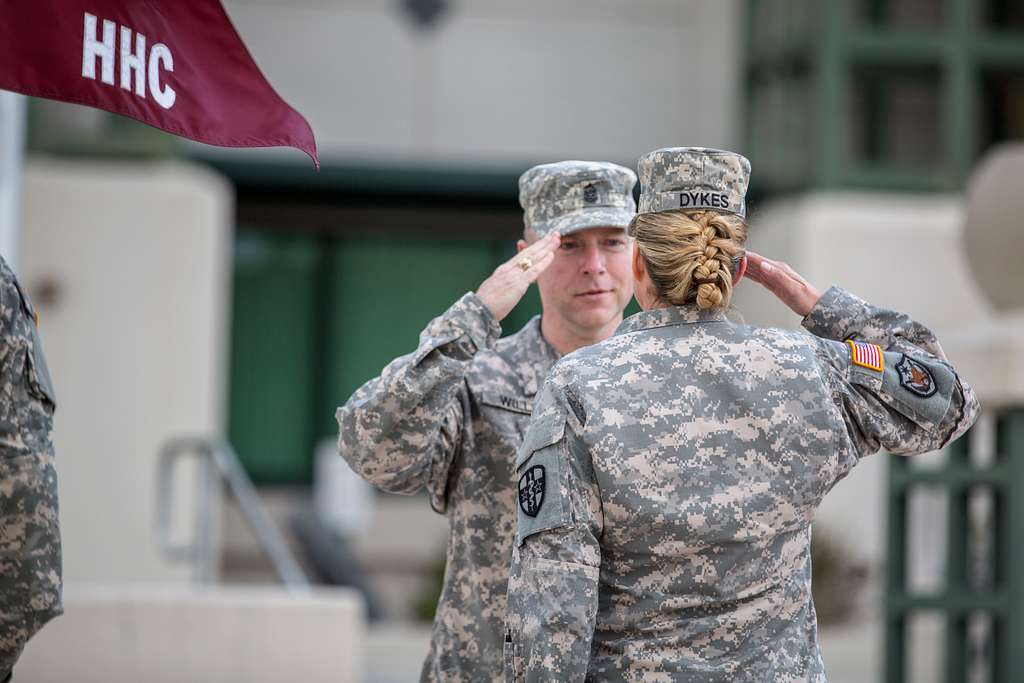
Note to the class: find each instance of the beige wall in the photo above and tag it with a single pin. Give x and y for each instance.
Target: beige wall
(500, 83)
(12, 135)
(899, 250)
(136, 258)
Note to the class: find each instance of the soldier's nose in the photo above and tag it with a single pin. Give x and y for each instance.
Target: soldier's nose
(593, 261)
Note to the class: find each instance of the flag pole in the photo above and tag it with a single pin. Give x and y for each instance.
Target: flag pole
(12, 148)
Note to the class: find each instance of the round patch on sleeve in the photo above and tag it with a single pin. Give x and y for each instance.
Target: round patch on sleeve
(915, 377)
(531, 490)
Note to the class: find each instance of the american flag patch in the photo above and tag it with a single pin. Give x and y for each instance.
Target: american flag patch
(866, 355)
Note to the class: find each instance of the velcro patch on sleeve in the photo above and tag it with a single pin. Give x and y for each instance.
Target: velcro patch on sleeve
(539, 474)
(922, 387)
(532, 485)
(916, 378)
(866, 355)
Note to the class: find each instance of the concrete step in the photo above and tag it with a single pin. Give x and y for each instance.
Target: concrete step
(174, 634)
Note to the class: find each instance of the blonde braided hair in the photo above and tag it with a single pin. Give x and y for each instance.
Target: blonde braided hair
(689, 254)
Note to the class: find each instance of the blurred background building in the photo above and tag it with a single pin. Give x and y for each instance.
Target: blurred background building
(238, 297)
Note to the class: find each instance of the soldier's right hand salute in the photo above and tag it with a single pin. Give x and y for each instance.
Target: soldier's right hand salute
(509, 282)
(784, 282)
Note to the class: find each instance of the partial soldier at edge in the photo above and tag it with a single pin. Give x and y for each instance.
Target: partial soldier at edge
(449, 416)
(670, 474)
(30, 550)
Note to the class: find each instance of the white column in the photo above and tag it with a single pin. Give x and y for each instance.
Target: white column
(12, 145)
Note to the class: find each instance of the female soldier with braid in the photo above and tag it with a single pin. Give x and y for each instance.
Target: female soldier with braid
(670, 474)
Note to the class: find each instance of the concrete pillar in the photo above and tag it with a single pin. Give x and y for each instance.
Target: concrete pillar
(129, 266)
(12, 146)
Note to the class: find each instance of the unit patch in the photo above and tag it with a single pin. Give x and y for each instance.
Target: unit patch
(915, 377)
(531, 490)
(866, 355)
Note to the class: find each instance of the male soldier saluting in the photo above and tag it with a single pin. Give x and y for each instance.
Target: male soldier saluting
(449, 416)
(30, 564)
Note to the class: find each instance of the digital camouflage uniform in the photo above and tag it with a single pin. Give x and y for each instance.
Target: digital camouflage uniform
(30, 559)
(669, 476)
(449, 417)
(682, 462)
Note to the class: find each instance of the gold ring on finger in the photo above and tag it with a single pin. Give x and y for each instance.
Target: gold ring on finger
(525, 264)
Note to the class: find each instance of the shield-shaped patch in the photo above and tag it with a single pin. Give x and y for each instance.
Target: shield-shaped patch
(915, 377)
(590, 194)
(531, 490)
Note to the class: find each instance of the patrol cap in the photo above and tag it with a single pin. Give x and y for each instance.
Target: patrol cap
(568, 196)
(693, 178)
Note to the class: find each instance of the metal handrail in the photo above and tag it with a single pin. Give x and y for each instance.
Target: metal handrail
(219, 463)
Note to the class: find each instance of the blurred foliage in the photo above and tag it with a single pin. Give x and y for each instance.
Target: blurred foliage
(69, 130)
(426, 604)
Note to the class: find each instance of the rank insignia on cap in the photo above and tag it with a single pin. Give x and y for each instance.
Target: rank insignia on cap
(531, 490)
(590, 194)
(866, 355)
(915, 377)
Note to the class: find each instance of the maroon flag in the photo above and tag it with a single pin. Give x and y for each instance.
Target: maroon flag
(178, 65)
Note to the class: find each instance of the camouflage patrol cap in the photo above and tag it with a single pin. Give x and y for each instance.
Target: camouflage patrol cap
(693, 178)
(568, 196)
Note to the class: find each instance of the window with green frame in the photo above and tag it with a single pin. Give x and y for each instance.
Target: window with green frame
(893, 94)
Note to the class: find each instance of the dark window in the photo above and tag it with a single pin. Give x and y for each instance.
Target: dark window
(1001, 110)
(901, 14)
(895, 116)
(1003, 15)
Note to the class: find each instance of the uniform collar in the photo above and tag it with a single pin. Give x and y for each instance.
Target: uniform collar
(533, 356)
(673, 315)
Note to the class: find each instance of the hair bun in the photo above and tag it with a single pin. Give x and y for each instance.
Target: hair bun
(709, 296)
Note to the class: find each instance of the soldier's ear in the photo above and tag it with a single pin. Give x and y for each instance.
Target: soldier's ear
(639, 267)
(741, 269)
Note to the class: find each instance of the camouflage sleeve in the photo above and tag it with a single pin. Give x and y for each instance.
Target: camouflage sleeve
(841, 315)
(913, 401)
(556, 556)
(903, 399)
(400, 431)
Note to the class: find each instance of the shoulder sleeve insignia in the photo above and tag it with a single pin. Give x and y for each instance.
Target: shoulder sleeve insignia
(866, 355)
(915, 377)
(531, 490)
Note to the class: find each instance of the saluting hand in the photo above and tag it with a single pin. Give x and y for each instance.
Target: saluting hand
(509, 282)
(784, 282)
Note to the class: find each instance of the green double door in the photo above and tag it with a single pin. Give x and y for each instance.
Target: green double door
(314, 317)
